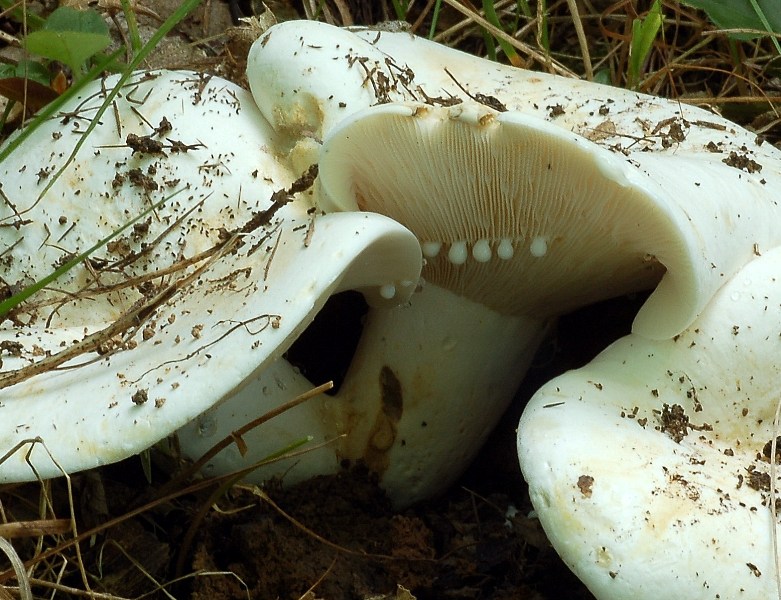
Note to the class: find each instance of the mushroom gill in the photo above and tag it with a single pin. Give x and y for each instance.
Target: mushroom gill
(500, 203)
(529, 219)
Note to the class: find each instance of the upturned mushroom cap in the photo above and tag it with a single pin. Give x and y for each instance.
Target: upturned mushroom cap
(183, 308)
(682, 150)
(529, 219)
(306, 76)
(649, 468)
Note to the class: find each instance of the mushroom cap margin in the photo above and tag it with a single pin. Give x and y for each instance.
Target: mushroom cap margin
(646, 466)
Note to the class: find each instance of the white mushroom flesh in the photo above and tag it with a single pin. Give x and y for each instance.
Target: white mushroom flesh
(649, 468)
(123, 349)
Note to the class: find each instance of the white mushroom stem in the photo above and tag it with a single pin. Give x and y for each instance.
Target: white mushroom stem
(277, 384)
(428, 383)
(649, 468)
(187, 306)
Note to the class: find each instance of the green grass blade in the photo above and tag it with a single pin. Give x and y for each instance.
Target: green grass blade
(434, 19)
(490, 15)
(644, 32)
(758, 15)
(400, 7)
(132, 25)
(765, 23)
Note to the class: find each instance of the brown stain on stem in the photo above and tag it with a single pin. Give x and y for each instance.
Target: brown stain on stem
(383, 433)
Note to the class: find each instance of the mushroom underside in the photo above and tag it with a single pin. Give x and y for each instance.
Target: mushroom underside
(503, 202)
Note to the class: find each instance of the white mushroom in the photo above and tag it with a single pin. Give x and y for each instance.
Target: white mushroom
(526, 221)
(519, 221)
(307, 77)
(649, 468)
(188, 304)
(647, 196)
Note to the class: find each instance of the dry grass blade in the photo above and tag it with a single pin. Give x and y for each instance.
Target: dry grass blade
(225, 484)
(557, 68)
(72, 591)
(310, 592)
(296, 523)
(573, 7)
(25, 592)
(237, 435)
(158, 586)
(34, 528)
(130, 321)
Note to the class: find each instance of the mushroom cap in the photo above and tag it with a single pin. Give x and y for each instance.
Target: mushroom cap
(173, 316)
(215, 175)
(613, 117)
(307, 76)
(529, 219)
(649, 467)
(679, 147)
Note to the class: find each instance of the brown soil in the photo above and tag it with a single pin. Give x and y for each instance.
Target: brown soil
(339, 537)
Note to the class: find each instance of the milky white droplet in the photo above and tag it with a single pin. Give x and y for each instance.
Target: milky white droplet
(388, 291)
(431, 249)
(539, 247)
(481, 251)
(457, 253)
(505, 249)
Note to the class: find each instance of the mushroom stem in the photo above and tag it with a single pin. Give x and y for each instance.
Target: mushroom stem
(429, 381)
(276, 385)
